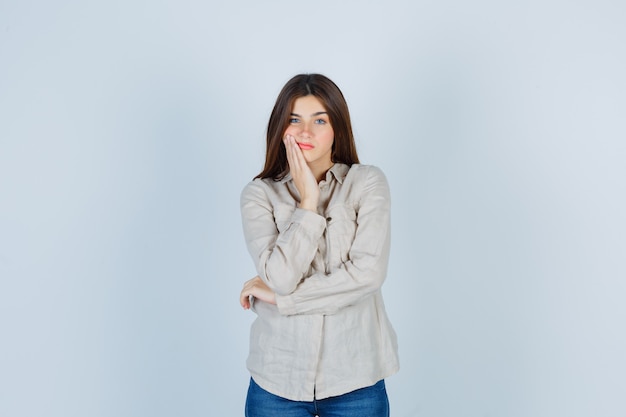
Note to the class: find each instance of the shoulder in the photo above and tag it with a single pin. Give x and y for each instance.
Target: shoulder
(263, 184)
(362, 172)
(257, 189)
(369, 183)
(266, 192)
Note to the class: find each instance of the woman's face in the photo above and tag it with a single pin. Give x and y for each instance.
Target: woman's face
(310, 125)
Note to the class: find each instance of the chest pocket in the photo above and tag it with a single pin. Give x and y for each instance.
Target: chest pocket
(340, 232)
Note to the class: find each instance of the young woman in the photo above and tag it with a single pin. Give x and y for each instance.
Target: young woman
(316, 223)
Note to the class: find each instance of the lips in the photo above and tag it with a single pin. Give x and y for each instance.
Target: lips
(305, 146)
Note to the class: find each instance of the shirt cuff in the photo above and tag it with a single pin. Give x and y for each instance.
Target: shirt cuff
(312, 222)
(286, 305)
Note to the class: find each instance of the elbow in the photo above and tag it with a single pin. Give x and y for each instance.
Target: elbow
(373, 277)
(281, 286)
(375, 281)
(282, 289)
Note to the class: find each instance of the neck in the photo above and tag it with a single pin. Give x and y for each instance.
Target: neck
(320, 170)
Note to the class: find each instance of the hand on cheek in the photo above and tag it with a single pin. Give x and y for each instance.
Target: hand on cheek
(302, 175)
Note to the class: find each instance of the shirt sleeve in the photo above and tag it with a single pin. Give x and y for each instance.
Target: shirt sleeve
(281, 258)
(366, 269)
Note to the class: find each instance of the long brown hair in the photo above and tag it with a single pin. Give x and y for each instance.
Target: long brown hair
(327, 92)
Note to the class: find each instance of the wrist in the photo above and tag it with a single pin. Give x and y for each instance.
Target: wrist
(309, 204)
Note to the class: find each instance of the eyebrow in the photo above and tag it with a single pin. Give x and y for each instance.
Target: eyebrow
(313, 115)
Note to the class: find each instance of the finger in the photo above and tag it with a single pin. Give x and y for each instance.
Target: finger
(297, 156)
(293, 154)
(289, 150)
(244, 300)
(251, 282)
(286, 144)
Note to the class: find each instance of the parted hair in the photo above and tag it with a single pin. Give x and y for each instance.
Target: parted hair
(327, 92)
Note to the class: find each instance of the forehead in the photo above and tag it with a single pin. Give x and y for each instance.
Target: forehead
(308, 105)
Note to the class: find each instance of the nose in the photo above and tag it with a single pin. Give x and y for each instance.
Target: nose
(306, 131)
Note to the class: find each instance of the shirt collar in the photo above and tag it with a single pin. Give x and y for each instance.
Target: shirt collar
(338, 170)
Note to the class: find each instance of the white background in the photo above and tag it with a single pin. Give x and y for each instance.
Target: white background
(128, 129)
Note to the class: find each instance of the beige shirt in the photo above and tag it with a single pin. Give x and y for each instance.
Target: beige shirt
(329, 333)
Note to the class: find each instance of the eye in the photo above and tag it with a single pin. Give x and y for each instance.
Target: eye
(320, 122)
(294, 120)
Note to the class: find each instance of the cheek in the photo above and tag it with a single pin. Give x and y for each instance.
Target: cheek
(326, 144)
(291, 130)
(328, 138)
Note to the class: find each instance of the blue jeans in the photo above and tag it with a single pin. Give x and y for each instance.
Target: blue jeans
(365, 402)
